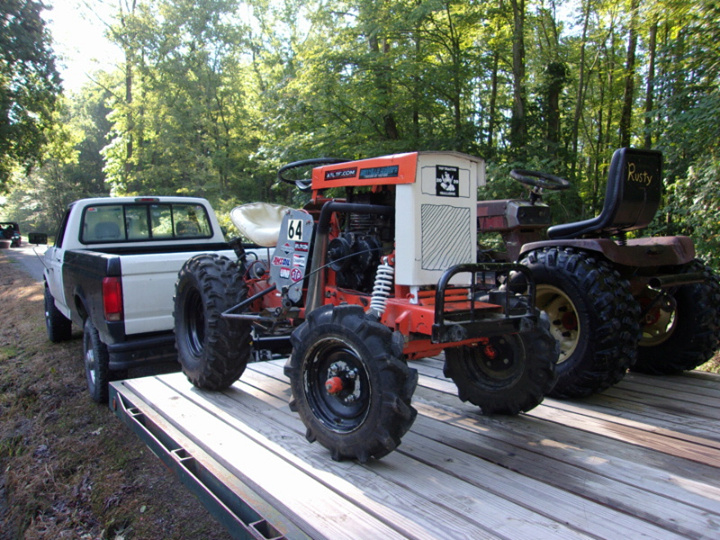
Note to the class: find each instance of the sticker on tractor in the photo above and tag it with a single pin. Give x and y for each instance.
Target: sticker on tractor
(447, 181)
(295, 229)
(284, 273)
(280, 261)
(296, 275)
(341, 174)
(298, 260)
(302, 246)
(391, 171)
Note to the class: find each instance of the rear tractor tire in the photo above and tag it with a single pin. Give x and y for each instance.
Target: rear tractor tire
(505, 374)
(684, 333)
(350, 386)
(212, 350)
(593, 316)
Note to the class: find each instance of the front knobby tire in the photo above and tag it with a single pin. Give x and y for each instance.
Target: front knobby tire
(685, 334)
(593, 316)
(97, 363)
(58, 326)
(505, 374)
(350, 386)
(212, 350)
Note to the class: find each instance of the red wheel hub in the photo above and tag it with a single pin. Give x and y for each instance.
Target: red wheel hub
(334, 385)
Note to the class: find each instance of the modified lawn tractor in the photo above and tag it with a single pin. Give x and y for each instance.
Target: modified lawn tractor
(361, 285)
(614, 302)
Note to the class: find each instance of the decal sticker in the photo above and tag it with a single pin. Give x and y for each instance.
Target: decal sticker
(286, 247)
(284, 273)
(340, 174)
(391, 171)
(447, 180)
(295, 229)
(280, 261)
(298, 260)
(296, 275)
(302, 246)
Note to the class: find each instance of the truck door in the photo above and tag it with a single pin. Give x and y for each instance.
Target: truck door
(53, 264)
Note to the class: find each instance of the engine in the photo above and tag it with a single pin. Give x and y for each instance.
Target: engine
(355, 254)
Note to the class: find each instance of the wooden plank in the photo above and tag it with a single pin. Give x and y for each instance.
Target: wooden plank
(541, 498)
(319, 511)
(606, 467)
(677, 506)
(444, 505)
(672, 442)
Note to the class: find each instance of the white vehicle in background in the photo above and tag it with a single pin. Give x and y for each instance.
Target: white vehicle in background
(112, 273)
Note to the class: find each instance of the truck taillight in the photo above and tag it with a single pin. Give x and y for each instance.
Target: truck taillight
(112, 298)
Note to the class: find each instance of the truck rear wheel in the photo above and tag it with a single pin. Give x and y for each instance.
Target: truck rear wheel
(592, 315)
(505, 374)
(349, 384)
(59, 327)
(97, 363)
(684, 334)
(212, 350)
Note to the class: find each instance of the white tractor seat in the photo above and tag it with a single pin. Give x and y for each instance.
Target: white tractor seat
(259, 222)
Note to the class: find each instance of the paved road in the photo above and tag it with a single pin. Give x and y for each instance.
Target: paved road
(29, 258)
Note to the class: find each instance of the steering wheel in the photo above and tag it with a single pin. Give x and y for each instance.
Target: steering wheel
(539, 179)
(304, 184)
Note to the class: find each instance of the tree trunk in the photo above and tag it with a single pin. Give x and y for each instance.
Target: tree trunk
(493, 102)
(518, 129)
(580, 98)
(626, 115)
(650, 91)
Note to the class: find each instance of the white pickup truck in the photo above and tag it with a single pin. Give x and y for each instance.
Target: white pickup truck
(112, 272)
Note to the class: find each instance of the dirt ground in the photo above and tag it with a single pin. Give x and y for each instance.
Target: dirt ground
(68, 467)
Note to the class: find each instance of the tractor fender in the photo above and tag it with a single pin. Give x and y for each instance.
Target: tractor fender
(637, 252)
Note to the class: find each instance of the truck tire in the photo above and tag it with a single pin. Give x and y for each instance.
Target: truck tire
(212, 350)
(59, 327)
(350, 386)
(505, 374)
(688, 333)
(592, 315)
(97, 363)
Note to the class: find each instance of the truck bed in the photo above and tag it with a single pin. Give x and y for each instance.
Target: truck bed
(641, 459)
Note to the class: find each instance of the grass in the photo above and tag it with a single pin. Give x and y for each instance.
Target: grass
(68, 467)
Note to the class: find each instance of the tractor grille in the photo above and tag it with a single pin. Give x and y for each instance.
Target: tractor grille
(446, 236)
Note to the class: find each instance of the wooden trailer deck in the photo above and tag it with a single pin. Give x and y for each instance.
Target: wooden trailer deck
(640, 460)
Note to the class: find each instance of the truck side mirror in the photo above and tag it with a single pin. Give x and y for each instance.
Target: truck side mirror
(37, 238)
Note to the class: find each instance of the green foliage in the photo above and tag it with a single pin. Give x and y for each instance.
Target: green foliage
(29, 85)
(215, 95)
(694, 201)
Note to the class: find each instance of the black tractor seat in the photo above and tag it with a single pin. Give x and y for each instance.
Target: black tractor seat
(632, 198)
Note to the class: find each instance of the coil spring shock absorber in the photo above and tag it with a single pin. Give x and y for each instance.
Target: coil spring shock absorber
(384, 279)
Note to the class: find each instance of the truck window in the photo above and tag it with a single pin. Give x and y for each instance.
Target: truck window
(136, 222)
(103, 223)
(108, 223)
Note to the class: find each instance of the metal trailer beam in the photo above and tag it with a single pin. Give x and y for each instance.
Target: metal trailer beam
(238, 507)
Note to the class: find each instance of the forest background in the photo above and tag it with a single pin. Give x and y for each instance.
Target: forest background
(213, 96)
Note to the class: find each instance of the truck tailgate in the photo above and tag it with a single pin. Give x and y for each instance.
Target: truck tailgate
(149, 287)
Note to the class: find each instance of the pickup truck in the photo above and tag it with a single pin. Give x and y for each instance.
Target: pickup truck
(112, 272)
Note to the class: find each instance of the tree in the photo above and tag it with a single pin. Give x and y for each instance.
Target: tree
(29, 85)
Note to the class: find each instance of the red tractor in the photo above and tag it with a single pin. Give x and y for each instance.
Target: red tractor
(615, 300)
(361, 285)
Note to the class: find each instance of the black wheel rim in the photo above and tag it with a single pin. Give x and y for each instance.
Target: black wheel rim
(499, 362)
(345, 408)
(195, 321)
